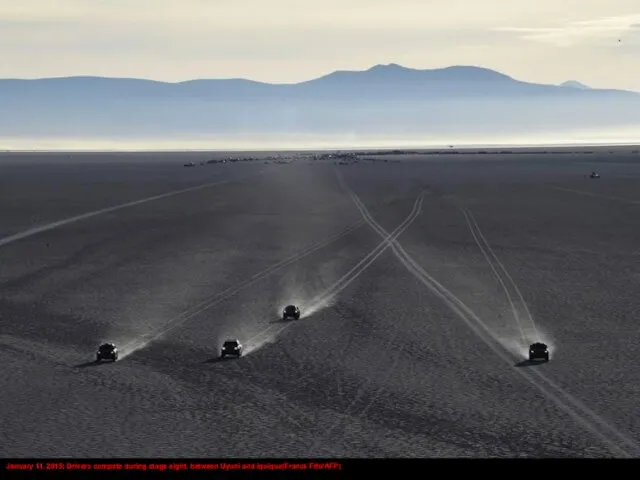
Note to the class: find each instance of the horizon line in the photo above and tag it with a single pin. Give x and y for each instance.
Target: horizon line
(474, 147)
(392, 64)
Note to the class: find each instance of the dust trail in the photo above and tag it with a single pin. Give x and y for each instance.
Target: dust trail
(328, 296)
(134, 342)
(262, 338)
(50, 226)
(135, 345)
(141, 341)
(298, 287)
(618, 442)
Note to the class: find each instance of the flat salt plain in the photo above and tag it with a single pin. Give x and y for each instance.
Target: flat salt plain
(416, 352)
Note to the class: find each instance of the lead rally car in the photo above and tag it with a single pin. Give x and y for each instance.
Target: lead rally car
(291, 311)
(231, 347)
(538, 351)
(107, 351)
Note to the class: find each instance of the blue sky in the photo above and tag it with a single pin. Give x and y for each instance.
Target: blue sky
(547, 41)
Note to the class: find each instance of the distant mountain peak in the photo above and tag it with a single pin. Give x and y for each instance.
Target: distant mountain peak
(392, 71)
(388, 66)
(394, 67)
(575, 84)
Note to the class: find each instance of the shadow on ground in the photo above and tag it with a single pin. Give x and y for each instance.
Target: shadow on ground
(530, 363)
(221, 359)
(93, 363)
(280, 320)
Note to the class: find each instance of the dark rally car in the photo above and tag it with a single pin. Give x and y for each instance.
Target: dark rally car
(107, 351)
(231, 347)
(291, 311)
(538, 351)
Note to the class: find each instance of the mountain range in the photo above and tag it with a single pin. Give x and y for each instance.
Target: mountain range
(383, 99)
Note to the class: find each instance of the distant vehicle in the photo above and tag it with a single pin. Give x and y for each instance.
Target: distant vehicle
(538, 351)
(107, 351)
(190, 164)
(291, 311)
(594, 175)
(231, 347)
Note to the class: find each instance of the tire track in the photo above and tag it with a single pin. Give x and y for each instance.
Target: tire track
(231, 291)
(60, 223)
(348, 278)
(485, 249)
(363, 264)
(504, 270)
(618, 442)
(215, 299)
(272, 331)
(343, 282)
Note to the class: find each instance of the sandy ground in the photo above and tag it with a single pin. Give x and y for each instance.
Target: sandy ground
(412, 351)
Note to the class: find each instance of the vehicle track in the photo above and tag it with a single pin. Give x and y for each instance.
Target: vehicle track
(231, 291)
(60, 223)
(215, 299)
(619, 443)
(343, 282)
(417, 208)
(273, 330)
(493, 261)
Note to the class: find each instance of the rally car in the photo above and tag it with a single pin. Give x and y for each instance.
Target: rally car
(107, 351)
(291, 311)
(538, 351)
(231, 347)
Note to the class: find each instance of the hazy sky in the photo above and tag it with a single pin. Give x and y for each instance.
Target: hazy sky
(547, 41)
